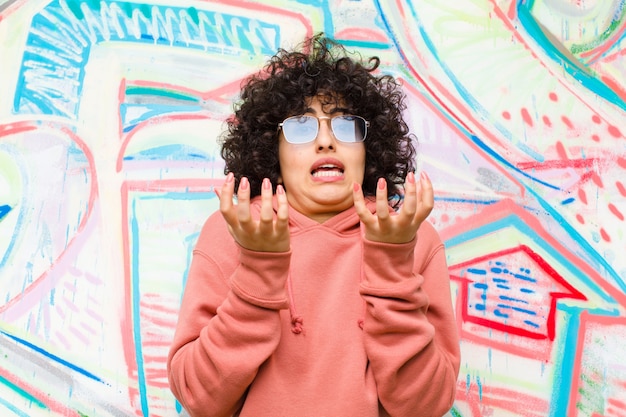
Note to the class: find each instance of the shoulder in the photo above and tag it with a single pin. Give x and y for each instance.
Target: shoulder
(428, 235)
(214, 235)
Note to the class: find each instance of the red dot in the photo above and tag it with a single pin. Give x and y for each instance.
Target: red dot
(596, 179)
(553, 96)
(616, 211)
(506, 115)
(614, 131)
(580, 219)
(596, 138)
(582, 196)
(526, 116)
(621, 188)
(596, 119)
(567, 122)
(546, 121)
(605, 235)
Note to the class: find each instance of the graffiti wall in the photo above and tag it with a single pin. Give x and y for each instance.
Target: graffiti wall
(109, 114)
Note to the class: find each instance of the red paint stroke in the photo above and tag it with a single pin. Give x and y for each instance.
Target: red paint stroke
(146, 123)
(567, 122)
(93, 195)
(620, 188)
(582, 196)
(596, 179)
(508, 22)
(506, 115)
(605, 236)
(280, 12)
(580, 219)
(53, 405)
(361, 34)
(614, 85)
(560, 150)
(223, 94)
(553, 96)
(615, 132)
(596, 119)
(556, 164)
(595, 54)
(569, 293)
(587, 322)
(163, 186)
(546, 121)
(428, 103)
(486, 400)
(526, 116)
(506, 208)
(595, 138)
(621, 161)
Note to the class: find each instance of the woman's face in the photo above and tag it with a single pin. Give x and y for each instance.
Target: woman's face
(318, 176)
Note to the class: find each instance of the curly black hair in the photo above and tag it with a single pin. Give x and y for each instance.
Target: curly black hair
(321, 67)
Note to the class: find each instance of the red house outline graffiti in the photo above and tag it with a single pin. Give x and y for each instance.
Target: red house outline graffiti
(546, 284)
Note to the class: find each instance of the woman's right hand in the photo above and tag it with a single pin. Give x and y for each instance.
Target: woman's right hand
(268, 234)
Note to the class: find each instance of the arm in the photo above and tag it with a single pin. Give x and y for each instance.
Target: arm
(228, 323)
(410, 330)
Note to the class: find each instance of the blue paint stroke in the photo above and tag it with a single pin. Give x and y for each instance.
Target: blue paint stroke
(572, 68)
(175, 152)
(59, 44)
(4, 210)
(53, 357)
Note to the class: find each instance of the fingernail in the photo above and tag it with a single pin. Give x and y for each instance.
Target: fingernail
(411, 178)
(243, 184)
(280, 189)
(266, 184)
(381, 183)
(230, 177)
(424, 175)
(355, 186)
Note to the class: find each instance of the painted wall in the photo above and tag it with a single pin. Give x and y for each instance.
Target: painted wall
(109, 113)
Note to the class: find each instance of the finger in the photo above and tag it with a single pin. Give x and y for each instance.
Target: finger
(427, 192)
(359, 203)
(243, 201)
(267, 211)
(409, 206)
(282, 214)
(226, 198)
(382, 203)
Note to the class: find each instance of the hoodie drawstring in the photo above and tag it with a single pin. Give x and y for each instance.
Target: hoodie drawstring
(296, 319)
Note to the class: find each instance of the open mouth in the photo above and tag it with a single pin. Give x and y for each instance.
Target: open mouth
(327, 171)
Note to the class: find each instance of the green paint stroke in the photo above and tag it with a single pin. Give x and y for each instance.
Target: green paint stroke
(609, 32)
(177, 95)
(23, 393)
(591, 399)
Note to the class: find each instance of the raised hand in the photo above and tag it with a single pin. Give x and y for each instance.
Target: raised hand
(401, 226)
(270, 233)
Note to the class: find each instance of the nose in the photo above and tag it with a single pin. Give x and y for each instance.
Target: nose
(325, 137)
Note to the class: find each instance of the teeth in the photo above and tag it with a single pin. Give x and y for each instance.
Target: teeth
(327, 173)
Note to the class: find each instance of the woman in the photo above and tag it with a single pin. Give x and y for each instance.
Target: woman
(321, 291)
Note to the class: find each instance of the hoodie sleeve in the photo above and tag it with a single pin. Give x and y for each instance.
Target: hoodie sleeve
(410, 331)
(228, 323)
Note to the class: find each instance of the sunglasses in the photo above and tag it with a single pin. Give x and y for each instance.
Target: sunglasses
(304, 129)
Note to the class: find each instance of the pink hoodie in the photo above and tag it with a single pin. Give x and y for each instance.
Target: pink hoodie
(338, 326)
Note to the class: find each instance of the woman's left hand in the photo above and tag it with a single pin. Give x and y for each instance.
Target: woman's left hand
(401, 226)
